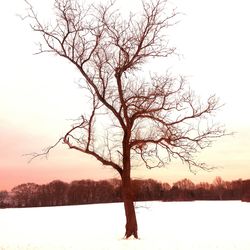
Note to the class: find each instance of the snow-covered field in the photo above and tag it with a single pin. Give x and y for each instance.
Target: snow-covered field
(175, 225)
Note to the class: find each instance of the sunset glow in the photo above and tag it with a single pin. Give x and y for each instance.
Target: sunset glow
(39, 95)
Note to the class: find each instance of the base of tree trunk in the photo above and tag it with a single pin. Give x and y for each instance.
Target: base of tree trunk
(131, 222)
(130, 233)
(131, 225)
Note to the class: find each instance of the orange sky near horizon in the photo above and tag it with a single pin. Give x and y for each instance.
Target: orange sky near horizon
(38, 95)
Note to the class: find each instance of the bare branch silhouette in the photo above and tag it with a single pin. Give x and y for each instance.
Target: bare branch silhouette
(151, 120)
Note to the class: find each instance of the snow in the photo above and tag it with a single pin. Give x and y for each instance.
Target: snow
(162, 225)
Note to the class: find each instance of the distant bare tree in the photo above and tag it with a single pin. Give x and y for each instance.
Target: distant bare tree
(57, 192)
(134, 119)
(4, 197)
(219, 186)
(25, 195)
(184, 184)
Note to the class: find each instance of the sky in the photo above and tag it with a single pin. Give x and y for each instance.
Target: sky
(39, 94)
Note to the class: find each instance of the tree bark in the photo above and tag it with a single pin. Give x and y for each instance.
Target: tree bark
(127, 190)
(128, 199)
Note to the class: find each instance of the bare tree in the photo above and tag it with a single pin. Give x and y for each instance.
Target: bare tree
(184, 184)
(219, 186)
(134, 120)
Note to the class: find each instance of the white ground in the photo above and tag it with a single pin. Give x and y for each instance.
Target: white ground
(175, 225)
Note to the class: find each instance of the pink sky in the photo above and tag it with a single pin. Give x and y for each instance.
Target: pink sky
(214, 39)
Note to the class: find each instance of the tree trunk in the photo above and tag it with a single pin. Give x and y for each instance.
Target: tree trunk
(128, 199)
(127, 191)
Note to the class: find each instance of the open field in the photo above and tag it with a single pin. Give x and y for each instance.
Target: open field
(162, 225)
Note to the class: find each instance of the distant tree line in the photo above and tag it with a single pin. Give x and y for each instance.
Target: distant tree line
(59, 193)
